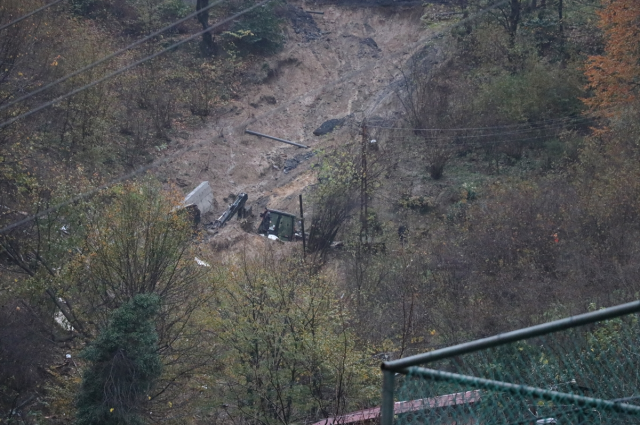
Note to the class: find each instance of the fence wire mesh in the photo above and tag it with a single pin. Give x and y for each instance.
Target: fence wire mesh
(589, 374)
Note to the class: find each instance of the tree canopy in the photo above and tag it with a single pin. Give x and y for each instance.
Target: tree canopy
(614, 76)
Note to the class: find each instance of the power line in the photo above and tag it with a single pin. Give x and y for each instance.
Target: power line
(108, 57)
(492, 142)
(23, 17)
(550, 120)
(87, 194)
(474, 144)
(245, 124)
(177, 154)
(128, 67)
(498, 142)
(477, 136)
(558, 125)
(47, 104)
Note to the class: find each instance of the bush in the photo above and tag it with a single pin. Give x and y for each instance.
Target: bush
(84, 7)
(334, 198)
(422, 204)
(539, 92)
(258, 31)
(172, 10)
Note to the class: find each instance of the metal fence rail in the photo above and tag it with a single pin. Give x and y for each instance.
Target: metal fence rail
(583, 369)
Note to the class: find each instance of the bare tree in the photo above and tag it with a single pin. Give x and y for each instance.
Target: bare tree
(432, 106)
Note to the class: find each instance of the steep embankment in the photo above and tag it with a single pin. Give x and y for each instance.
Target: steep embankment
(335, 64)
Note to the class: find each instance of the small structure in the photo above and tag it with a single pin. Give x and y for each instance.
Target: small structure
(372, 416)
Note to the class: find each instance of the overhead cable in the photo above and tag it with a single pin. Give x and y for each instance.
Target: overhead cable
(108, 57)
(562, 120)
(128, 67)
(475, 136)
(23, 17)
(182, 151)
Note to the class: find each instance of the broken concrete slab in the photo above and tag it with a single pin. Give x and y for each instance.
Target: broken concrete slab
(202, 197)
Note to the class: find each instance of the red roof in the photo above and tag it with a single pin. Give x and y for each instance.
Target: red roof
(406, 406)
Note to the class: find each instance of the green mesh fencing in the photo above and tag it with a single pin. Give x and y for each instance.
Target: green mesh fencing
(586, 374)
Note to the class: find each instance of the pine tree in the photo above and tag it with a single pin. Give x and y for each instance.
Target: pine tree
(124, 365)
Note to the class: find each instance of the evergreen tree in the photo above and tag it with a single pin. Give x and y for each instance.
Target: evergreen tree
(124, 364)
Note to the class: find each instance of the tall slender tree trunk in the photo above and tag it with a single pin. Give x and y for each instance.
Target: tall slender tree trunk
(514, 20)
(208, 44)
(563, 59)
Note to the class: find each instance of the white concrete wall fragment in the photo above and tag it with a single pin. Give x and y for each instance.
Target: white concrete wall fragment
(202, 197)
(62, 321)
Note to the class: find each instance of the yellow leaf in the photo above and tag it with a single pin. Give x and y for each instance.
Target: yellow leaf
(111, 410)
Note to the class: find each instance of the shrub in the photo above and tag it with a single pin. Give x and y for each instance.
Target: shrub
(421, 204)
(172, 10)
(258, 31)
(334, 198)
(539, 92)
(84, 7)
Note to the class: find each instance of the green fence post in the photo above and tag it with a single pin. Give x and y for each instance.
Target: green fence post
(386, 417)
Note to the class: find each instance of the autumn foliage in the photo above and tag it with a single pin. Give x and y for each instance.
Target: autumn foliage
(614, 76)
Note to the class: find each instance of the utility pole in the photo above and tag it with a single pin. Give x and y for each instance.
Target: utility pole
(364, 207)
(304, 240)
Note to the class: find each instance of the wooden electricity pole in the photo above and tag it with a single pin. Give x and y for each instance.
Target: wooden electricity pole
(364, 207)
(304, 240)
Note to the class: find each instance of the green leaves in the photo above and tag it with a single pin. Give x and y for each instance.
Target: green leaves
(290, 353)
(124, 365)
(259, 31)
(541, 91)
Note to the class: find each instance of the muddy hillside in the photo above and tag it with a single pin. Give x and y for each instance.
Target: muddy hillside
(337, 66)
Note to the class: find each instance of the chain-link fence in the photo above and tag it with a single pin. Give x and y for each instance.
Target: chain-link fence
(580, 370)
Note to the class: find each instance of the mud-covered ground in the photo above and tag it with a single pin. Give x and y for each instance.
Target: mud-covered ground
(342, 63)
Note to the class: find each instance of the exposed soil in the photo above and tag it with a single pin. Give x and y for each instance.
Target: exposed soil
(340, 64)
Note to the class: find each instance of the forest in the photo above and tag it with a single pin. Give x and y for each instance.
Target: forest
(503, 192)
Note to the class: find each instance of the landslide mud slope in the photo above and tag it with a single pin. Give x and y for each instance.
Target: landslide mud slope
(341, 63)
